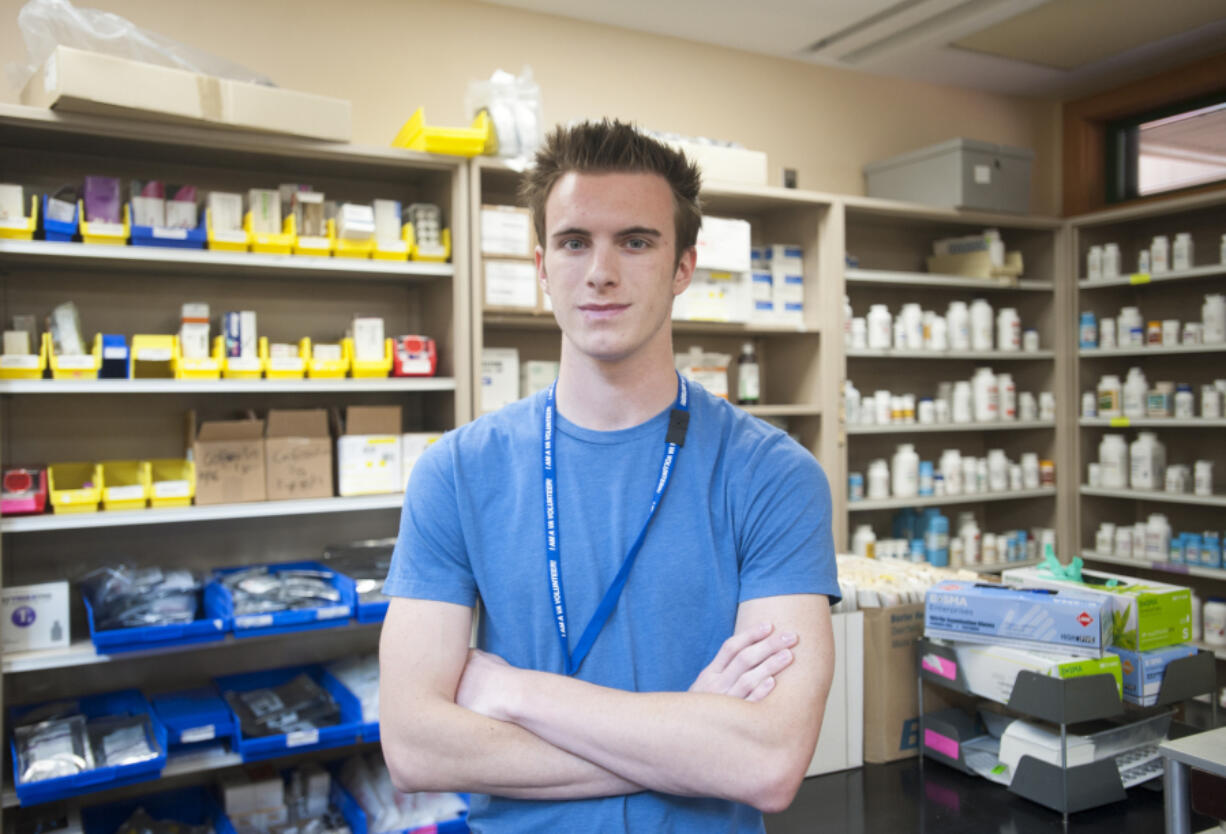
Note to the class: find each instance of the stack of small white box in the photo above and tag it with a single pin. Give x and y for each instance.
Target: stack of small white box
(720, 288)
(779, 284)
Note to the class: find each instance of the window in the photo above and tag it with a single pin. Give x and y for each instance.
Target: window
(1157, 152)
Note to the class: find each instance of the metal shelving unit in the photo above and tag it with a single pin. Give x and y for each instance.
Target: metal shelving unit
(1139, 279)
(1156, 495)
(854, 275)
(942, 500)
(940, 428)
(975, 355)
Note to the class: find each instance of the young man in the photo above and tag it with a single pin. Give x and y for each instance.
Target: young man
(597, 706)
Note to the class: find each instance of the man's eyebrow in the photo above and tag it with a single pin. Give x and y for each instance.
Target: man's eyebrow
(640, 230)
(570, 230)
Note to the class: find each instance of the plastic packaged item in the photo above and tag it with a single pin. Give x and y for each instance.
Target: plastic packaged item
(927, 411)
(1182, 256)
(1213, 613)
(1030, 341)
(1193, 333)
(1030, 470)
(970, 482)
(1177, 478)
(1111, 260)
(878, 479)
(926, 478)
(1007, 393)
(1147, 457)
(1153, 333)
(855, 486)
(1135, 391)
(1106, 334)
(1094, 475)
(1210, 402)
(1170, 332)
(1089, 404)
(52, 749)
(900, 333)
(864, 542)
(987, 396)
(908, 408)
(951, 471)
(1211, 549)
(1222, 251)
(880, 327)
(124, 597)
(1094, 263)
(748, 380)
(121, 740)
(1185, 402)
(938, 334)
(968, 533)
(1157, 538)
(859, 333)
(942, 410)
(882, 402)
(905, 472)
(1047, 405)
(1113, 457)
(961, 411)
(989, 549)
(1131, 327)
(1143, 262)
(936, 538)
(998, 471)
(981, 325)
(1160, 401)
(1160, 254)
(1047, 473)
(1213, 319)
(851, 404)
(912, 317)
(1015, 477)
(1203, 477)
(1122, 546)
(1027, 409)
(1008, 330)
(1110, 394)
(957, 317)
(981, 474)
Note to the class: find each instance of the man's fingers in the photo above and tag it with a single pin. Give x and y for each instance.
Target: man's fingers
(756, 653)
(761, 690)
(737, 643)
(751, 679)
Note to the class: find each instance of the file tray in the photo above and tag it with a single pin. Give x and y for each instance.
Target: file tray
(115, 358)
(285, 367)
(254, 749)
(21, 228)
(74, 487)
(194, 716)
(111, 234)
(434, 254)
(25, 365)
(125, 484)
(122, 703)
(143, 638)
(225, 241)
(209, 367)
(269, 244)
(367, 369)
(167, 237)
(82, 366)
(416, 135)
(219, 603)
(173, 482)
(320, 246)
(60, 230)
(190, 806)
(238, 367)
(359, 823)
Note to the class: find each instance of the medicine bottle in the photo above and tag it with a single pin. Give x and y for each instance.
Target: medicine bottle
(748, 379)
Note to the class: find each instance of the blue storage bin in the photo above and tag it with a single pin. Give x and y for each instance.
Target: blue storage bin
(58, 230)
(254, 749)
(219, 603)
(194, 716)
(366, 612)
(124, 702)
(119, 640)
(171, 238)
(191, 806)
(344, 802)
(116, 357)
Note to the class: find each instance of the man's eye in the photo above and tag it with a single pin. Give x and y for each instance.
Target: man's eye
(572, 243)
(638, 243)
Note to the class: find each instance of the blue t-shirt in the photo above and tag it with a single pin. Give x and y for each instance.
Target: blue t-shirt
(746, 515)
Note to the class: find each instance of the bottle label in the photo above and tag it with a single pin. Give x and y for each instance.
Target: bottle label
(748, 388)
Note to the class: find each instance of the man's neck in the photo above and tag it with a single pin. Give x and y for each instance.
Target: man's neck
(606, 396)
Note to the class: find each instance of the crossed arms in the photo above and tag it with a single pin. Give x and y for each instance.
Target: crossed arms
(455, 720)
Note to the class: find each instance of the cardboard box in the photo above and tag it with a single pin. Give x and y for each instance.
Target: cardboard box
(958, 173)
(91, 82)
(412, 446)
(720, 163)
(35, 617)
(246, 793)
(298, 451)
(507, 232)
(229, 458)
(991, 671)
(368, 451)
(1143, 671)
(510, 284)
(841, 743)
(499, 378)
(723, 244)
(1145, 615)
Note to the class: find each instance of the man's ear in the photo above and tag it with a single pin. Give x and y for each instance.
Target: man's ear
(685, 270)
(541, 277)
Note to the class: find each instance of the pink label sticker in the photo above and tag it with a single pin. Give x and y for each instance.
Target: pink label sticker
(938, 665)
(944, 745)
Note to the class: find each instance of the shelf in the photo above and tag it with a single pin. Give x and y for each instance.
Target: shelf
(855, 275)
(1218, 651)
(546, 322)
(255, 509)
(1152, 423)
(1140, 279)
(82, 652)
(1001, 566)
(943, 500)
(241, 265)
(224, 386)
(915, 428)
(993, 355)
(1095, 353)
(1157, 495)
(1165, 567)
(799, 410)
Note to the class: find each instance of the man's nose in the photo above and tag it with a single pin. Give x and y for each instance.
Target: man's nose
(603, 267)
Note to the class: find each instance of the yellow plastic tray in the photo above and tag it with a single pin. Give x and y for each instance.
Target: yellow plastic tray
(74, 487)
(321, 247)
(399, 252)
(236, 367)
(125, 484)
(325, 369)
(225, 241)
(107, 233)
(470, 141)
(438, 257)
(354, 248)
(21, 229)
(285, 368)
(152, 354)
(75, 367)
(184, 368)
(368, 370)
(280, 244)
(26, 366)
(172, 482)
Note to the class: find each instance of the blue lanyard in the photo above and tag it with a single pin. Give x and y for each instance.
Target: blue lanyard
(675, 439)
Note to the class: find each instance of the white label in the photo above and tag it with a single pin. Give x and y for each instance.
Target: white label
(114, 353)
(190, 736)
(506, 232)
(169, 234)
(415, 366)
(282, 364)
(230, 237)
(253, 621)
(301, 738)
(23, 360)
(240, 364)
(171, 489)
(125, 493)
(97, 227)
(14, 222)
(332, 612)
(983, 174)
(153, 355)
(83, 362)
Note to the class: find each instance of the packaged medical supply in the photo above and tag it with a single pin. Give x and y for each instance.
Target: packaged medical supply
(1143, 672)
(991, 671)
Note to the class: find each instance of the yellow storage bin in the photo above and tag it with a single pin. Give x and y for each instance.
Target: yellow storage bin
(354, 248)
(434, 255)
(325, 368)
(21, 228)
(398, 252)
(152, 355)
(172, 482)
(225, 241)
(237, 367)
(368, 370)
(416, 135)
(312, 244)
(75, 367)
(269, 244)
(282, 367)
(114, 234)
(74, 487)
(125, 484)
(210, 368)
(26, 365)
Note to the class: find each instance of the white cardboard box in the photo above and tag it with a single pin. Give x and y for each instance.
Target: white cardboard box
(510, 283)
(368, 453)
(506, 231)
(499, 378)
(724, 244)
(35, 617)
(720, 163)
(412, 445)
(841, 743)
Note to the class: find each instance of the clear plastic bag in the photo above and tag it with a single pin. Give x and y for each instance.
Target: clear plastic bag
(514, 105)
(366, 562)
(298, 704)
(122, 740)
(124, 597)
(259, 591)
(46, 24)
(52, 749)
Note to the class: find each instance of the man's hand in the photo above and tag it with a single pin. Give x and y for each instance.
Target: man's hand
(483, 687)
(747, 663)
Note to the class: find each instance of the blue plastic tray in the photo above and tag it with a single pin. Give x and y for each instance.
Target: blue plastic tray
(366, 612)
(171, 238)
(57, 230)
(119, 640)
(219, 603)
(115, 365)
(124, 702)
(194, 716)
(266, 747)
(344, 802)
(191, 806)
